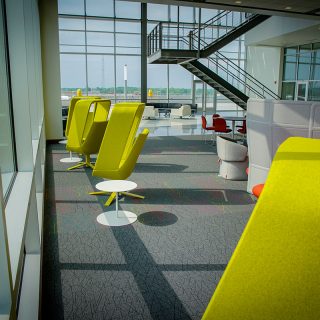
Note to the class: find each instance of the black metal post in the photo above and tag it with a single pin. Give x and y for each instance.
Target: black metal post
(160, 35)
(144, 62)
(199, 31)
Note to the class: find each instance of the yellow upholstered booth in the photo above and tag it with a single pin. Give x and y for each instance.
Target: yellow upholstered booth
(87, 128)
(120, 147)
(273, 273)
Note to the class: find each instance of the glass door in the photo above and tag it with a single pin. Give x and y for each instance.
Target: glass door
(198, 94)
(301, 91)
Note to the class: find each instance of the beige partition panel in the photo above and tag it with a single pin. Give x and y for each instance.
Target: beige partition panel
(269, 123)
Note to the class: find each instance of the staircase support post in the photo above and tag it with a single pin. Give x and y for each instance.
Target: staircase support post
(199, 27)
(160, 35)
(144, 61)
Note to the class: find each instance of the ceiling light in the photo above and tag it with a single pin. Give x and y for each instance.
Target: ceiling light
(288, 8)
(238, 2)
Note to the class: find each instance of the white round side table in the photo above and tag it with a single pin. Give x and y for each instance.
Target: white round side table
(116, 217)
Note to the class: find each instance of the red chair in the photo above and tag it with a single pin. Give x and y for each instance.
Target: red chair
(243, 128)
(215, 116)
(220, 126)
(205, 127)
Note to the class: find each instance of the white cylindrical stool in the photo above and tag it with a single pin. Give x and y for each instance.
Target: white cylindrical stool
(116, 217)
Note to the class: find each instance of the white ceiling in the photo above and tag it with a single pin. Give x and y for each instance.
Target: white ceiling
(305, 36)
(297, 8)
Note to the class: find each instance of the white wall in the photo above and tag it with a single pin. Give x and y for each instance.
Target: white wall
(264, 63)
(51, 68)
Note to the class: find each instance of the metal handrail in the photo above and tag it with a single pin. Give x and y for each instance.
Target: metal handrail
(237, 78)
(163, 33)
(211, 21)
(247, 75)
(221, 22)
(157, 40)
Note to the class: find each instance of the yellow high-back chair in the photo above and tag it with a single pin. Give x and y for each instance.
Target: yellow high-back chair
(71, 107)
(87, 128)
(273, 273)
(120, 147)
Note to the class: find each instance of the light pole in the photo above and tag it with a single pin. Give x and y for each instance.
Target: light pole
(125, 77)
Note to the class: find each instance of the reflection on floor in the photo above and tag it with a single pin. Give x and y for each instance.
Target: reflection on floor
(164, 266)
(166, 126)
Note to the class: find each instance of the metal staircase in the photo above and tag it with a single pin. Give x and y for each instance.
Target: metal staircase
(217, 82)
(222, 29)
(182, 44)
(229, 79)
(176, 42)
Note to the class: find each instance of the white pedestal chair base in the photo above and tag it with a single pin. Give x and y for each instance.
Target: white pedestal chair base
(112, 219)
(233, 170)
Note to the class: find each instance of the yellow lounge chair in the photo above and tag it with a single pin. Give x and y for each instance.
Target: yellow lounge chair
(87, 128)
(273, 273)
(71, 107)
(120, 147)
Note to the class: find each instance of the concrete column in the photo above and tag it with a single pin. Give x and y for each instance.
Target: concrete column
(51, 68)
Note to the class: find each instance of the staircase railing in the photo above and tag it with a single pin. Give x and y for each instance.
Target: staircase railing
(239, 78)
(219, 26)
(234, 74)
(167, 35)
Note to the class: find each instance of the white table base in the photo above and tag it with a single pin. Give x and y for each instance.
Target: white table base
(71, 159)
(114, 219)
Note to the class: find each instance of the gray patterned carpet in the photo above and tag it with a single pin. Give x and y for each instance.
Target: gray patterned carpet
(164, 266)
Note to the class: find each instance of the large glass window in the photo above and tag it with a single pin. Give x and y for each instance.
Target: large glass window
(101, 75)
(127, 9)
(73, 73)
(301, 63)
(102, 8)
(158, 12)
(288, 90)
(71, 23)
(7, 162)
(186, 14)
(133, 89)
(74, 7)
(99, 25)
(315, 67)
(290, 64)
(314, 91)
(180, 83)
(304, 62)
(95, 48)
(157, 82)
